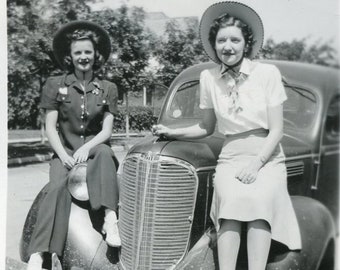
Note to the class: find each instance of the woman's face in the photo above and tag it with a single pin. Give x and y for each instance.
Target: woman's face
(229, 45)
(82, 54)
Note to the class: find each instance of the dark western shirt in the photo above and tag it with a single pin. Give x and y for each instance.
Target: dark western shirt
(80, 111)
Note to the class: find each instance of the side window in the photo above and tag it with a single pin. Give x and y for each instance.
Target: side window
(333, 120)
(185, 103)
(299, 109)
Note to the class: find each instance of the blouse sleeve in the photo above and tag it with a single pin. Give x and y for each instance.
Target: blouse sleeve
(205, 94)
(113, 98)
(49, 95)
(275, 92)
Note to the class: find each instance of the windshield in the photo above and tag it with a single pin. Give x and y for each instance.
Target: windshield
(185, 103)
(299, 110)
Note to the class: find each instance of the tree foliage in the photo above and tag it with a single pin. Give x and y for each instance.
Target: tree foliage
(28, 64)
(131, 46)
(31, 24)
(30, 58)
(179, 49)
(298, 50)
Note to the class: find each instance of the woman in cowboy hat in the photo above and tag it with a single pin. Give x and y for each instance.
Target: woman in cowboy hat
(245, 98)
(79, 117)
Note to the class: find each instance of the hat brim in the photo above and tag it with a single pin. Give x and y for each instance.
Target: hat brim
(237, 10)
(61, 49)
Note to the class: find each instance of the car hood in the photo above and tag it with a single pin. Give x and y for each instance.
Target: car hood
(199, 153)
(204, 152)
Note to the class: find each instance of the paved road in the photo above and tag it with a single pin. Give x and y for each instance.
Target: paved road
(24, 183)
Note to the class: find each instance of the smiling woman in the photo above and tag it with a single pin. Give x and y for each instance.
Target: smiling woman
(79, 118)
(82, 55)
(245, 98)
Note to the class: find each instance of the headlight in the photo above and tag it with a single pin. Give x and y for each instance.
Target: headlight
(76, 182)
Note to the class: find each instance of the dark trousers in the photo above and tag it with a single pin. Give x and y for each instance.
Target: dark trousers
(51, 227)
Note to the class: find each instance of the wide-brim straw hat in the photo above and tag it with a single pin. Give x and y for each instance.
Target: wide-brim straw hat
(61, 47)
(239, 11)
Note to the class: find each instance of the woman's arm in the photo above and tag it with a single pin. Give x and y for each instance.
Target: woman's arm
(205, 128)
(248, 174)
(54, 140)
(81, 155)
(275, 126)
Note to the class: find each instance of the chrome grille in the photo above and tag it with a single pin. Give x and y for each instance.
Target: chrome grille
(157, 204)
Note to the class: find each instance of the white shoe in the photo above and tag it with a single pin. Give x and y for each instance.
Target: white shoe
(110, 228)
(56, 265)
(35, 262)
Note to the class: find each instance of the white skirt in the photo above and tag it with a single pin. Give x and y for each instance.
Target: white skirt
(267, 198)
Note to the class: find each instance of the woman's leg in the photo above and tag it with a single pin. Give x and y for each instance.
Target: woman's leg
(103, 189)
(228, 243)
(50, 230)
(258, 244)
(101, 178)
(51, 226)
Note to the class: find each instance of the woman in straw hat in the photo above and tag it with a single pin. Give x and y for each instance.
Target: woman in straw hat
(245, 98)
(79, 118)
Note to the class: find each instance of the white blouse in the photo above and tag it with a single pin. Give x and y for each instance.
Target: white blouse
(241, 105)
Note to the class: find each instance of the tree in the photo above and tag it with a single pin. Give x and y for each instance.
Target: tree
(30, 58)
(25, 61)
(131, 49)
(179, 49)
(298, 50)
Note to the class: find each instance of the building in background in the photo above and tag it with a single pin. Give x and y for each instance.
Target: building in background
(156, 22)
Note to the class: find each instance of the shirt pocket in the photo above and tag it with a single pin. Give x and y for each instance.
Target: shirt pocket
(102, 101)
(62, 98)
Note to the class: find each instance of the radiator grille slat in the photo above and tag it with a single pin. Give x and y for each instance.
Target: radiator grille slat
(295, 168)
(157, 204)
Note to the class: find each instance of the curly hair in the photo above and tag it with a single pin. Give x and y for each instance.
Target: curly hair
(83, 34)
(226, 20)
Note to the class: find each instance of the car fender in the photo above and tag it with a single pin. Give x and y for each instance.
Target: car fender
(317, 231)
(85, 246)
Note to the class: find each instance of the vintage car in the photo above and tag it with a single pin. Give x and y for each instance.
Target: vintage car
(166, 186)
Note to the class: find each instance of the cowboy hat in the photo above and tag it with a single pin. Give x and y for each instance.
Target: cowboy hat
(237, 10)
(61, 47)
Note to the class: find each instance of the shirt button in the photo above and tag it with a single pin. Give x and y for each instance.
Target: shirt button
(82, 126)
(104, 101)
(63, 98)
(82, 97)
(82, 117)
(82, 106)
(81, 137)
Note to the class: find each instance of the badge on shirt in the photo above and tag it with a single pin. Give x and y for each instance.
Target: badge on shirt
(96, 91)
(63, 90)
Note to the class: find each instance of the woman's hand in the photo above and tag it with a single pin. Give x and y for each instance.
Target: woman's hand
(160, 130)
(82, 154)
(68, 161)
(248, 174)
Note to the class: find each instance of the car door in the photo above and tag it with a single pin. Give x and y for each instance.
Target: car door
(326, 187)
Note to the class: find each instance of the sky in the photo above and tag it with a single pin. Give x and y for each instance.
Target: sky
(284, 20)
